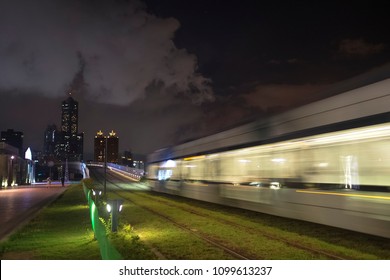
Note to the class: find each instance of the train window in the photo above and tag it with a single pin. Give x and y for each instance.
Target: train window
(164, 174)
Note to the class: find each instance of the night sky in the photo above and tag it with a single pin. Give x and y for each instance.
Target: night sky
(162, 72)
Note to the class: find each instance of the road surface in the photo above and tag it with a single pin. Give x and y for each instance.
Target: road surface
(19, 205)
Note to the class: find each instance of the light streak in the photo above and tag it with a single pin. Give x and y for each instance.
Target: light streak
(194, 157)
(124, 175)
(346, 194)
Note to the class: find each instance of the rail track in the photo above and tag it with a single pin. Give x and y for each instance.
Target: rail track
(195, 212)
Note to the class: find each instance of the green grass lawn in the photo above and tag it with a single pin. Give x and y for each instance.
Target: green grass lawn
(61, 231)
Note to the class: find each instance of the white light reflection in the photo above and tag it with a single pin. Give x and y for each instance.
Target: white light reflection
(278, 160)
(169, 164)
(353, 134)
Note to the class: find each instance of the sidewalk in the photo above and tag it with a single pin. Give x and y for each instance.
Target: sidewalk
(53, 184)
(19, 204)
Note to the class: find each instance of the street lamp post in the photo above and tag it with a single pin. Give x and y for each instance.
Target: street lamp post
(105, 168)
(11, 171)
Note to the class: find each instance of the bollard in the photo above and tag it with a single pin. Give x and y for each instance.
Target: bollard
(114, 207)
(96, 196)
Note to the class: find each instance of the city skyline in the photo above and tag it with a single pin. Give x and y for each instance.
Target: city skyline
(57, 137)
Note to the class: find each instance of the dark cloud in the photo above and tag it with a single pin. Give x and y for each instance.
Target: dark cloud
(118, 59)
(124, 49)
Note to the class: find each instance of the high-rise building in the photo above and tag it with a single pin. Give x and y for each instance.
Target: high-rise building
(13, 138)
(51, 141)
(70, 145)
(70, 116)
(127, 158)
(112, 147)
(99, 146)
(111, 142)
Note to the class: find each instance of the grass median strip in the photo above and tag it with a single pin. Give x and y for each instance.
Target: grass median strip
(61, 231)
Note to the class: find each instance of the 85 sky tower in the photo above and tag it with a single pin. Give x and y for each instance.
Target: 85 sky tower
(71, 146)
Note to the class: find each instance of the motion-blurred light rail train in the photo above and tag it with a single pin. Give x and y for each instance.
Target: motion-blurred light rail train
(326, 162)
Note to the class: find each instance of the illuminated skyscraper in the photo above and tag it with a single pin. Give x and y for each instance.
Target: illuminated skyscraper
(70, 116)
(99, 146)
(71, 145)
(112, 147)
(111, 142)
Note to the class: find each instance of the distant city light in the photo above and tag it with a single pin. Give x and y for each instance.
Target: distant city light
(28, 154)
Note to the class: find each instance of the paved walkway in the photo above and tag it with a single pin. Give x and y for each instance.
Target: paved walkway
(20, 204)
